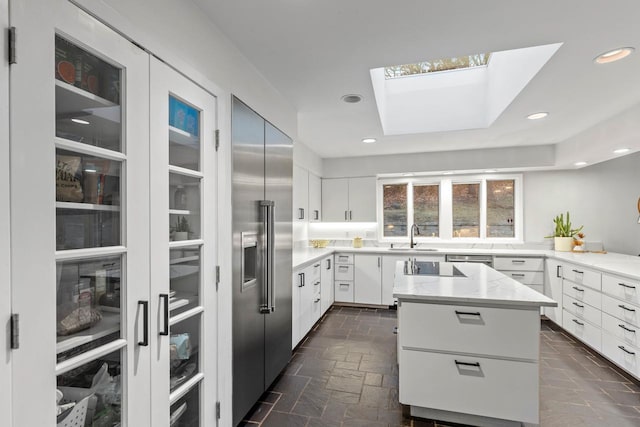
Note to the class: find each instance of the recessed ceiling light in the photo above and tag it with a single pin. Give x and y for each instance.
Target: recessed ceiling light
(352, 98)
(537, 116)
(369, 140)
(490, 171)
(621, 150)
(447, 173)
(580, 163)
(614, 55)
(80, 121)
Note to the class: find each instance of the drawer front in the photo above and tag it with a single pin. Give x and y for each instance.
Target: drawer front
(515, 263)
(582, 293)
(464, 329)
(343, 291)
(344, 258)
(582, 310)
(582, 276)
(474, 385)
(314, 271)
(343, 272)
(621, 288)
(584, 331)
(621, 353)
(622, 310)
(526, 277)
(623, 331)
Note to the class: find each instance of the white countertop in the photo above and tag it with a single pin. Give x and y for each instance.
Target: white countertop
(481, 286)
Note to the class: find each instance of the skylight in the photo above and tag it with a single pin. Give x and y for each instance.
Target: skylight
(434, 66)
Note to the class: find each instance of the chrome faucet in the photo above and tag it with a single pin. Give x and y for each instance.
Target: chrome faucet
(414, 230)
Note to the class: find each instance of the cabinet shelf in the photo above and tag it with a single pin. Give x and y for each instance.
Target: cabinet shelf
(87, 207)
(109, 324)
(185, 388)
(181, 299)
(183, 138)
(184, 259)
(180, 212)
(72, 99)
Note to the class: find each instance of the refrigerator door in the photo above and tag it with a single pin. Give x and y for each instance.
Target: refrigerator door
(248, 323)
(278, 181)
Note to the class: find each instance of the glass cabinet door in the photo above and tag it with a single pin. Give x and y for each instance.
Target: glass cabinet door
(182, 248)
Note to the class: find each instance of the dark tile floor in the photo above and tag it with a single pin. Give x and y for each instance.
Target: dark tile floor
(344, 374)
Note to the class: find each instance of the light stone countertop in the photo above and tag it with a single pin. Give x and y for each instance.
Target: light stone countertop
(482, 286)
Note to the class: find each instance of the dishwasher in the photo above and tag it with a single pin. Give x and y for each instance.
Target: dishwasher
(484, 259)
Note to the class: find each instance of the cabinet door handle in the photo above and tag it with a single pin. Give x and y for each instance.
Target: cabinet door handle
(378, 262)
(578, 305)
(164, 299)
(624, 307)
(300, 280)
(626, 286)
(145, 323)
(578, 289)
(350, 215)
(579, 323)
(316, 214)
(329, 264)
(474, 364)
(558, 274)
(627, 329)
(346, 215)
(468, 313)
(304, 279)
(621, 347)
(300, 213)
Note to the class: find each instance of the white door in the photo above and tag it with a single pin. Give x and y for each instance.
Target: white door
(183, 250)
(335, 200)
(553, 289)
(80, 238)
(367, 282)
(362, 199)
(5, 254)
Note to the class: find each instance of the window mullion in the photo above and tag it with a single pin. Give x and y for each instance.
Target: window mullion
(410, 215)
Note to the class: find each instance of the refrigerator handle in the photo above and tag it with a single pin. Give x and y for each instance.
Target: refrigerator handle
(272, 255)
(267, 272)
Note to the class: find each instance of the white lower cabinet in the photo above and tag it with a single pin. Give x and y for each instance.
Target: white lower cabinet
(526, 270)
(553, 289)
(305, 301)
(582, 329)
(622, 353)
(343, 277)
(326, 285)
(367, 279)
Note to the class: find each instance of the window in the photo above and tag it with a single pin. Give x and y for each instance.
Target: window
(433, 66)
(462, 208)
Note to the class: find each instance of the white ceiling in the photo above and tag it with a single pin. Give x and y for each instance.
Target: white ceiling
(315, 51)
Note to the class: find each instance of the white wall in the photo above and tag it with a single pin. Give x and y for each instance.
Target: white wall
(602, 197)
(307, 159)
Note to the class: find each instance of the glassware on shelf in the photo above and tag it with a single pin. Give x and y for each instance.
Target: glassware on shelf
(184, 351)
(184, 279)
(184, 135)
(184, 207)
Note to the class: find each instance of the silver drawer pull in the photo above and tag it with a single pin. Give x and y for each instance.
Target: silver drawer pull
(343, 267)
(517, 275)
(578, 271)
(578, 289)
(627, 329)
(518, 261)
(578, 305)
(344, 284)
(316, 284)
(579, 323)
(317, 300)
(621, 347)
(626, 286)
(474, 364)
(468, 313)
(316, 266)
(624, 307)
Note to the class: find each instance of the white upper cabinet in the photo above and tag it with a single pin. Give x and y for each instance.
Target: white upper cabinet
(315, 197)
(349, 199)
(300, 199)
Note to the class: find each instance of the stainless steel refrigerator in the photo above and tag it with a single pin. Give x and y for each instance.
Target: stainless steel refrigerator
(262, 242)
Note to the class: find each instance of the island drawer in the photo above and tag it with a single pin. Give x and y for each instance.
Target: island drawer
(582, 275)
(621, 353)
(344, 259)
(518, 263)
(582, 310)
(465, 329)
(621, 330)
(526, 277)
(584, 331)
(621, 288)
(582, 293)
(468, 384)
(343, 272)
(623, 310)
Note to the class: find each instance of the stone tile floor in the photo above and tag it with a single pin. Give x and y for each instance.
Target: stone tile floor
(344, 373)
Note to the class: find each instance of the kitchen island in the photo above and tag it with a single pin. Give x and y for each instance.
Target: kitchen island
(468, 343)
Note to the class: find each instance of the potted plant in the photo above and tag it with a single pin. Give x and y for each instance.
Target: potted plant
(181, 230)
(563, 233)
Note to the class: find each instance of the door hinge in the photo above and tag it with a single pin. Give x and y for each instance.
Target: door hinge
(217, 276)
(218, 410)
(217, 139)
(12, 45)
(15, 331)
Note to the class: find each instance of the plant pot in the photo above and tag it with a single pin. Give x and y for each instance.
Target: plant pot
(563, 244)
(181, 235)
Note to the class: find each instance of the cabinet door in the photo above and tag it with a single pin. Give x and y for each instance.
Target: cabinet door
(300, 194)
(388, 277)
(362, 199)
(315, 198)
(326, 277)
(553, 289)
(296, 286)
(5, 255)
(335, 200)
(84, 307)
(183, 249)
(367, 281)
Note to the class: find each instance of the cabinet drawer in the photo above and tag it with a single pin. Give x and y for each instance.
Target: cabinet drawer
(621, 353)
(582, 310)
(621, 288)
(582, 276)
(314, 271)
(343, 272)
(621, 330)
(526, 277)
(584, 331)
(464, 329)
(343, 291)
(468, 384)
(623, 310)
(582, 293)
(344, 258)
(517, 263)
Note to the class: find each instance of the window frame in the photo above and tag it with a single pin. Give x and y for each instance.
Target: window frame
(445, 223)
